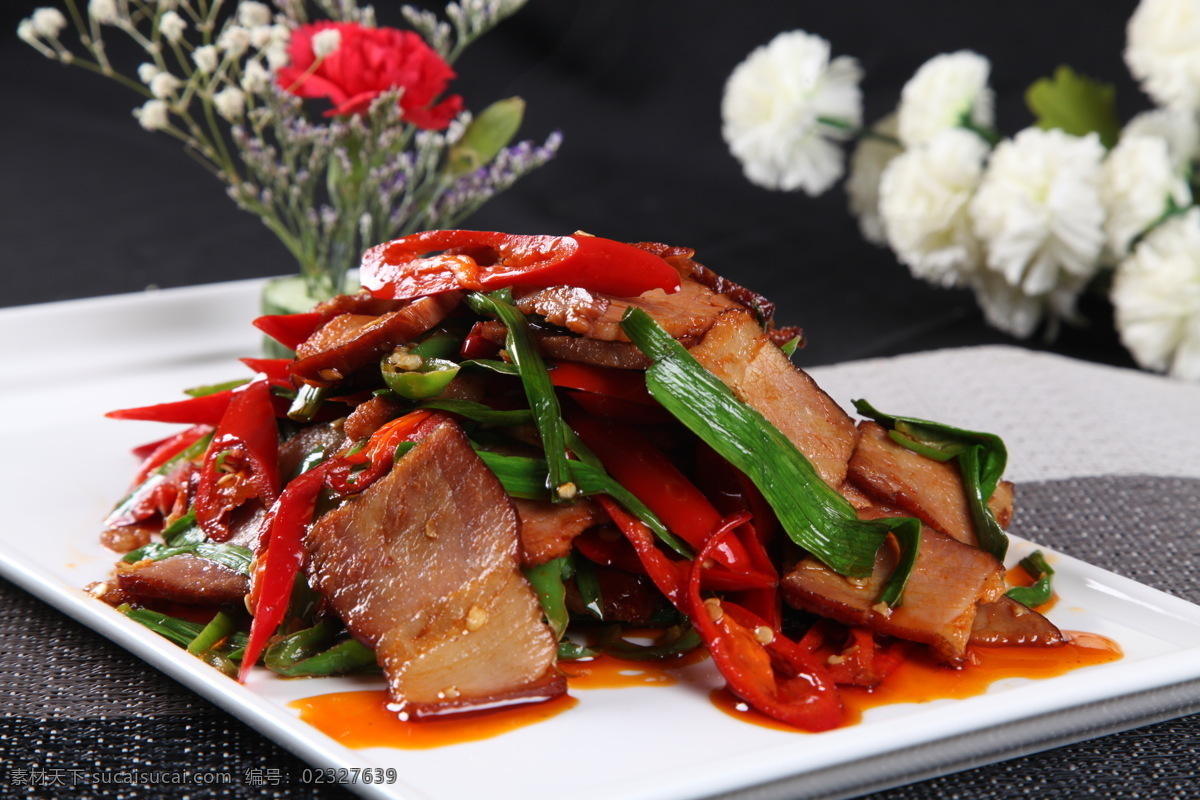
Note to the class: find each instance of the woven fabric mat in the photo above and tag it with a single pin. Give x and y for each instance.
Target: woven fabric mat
(75, 705)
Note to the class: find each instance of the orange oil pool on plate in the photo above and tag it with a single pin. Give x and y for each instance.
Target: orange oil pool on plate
(919, 679)
(362, 719)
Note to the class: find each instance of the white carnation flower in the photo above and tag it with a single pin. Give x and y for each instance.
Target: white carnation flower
(946, 90)
(206, 58)
(1139, 182)
(172, 26)
(230, 103)
(867, 162)
(1180, 128)
(153, 115)
(103, 11)
(1163, 51)
(326, 42)
(164, 84)
(776, 109)
(255, 79)
(251, 14)
(48, 23)
(1156, 295)
(234, 40)
(1038, 209)
(1010, 309)
(924, 200)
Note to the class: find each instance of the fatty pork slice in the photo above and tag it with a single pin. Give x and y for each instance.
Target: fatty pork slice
(737, 351)
(350, 341)
(423, 567)
(946, 587)
(1006, 622)
(927, 489)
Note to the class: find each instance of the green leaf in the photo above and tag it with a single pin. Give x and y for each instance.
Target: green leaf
(486, 136)
(1075, 104)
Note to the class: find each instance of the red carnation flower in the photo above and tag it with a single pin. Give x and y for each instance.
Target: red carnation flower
(367, 63)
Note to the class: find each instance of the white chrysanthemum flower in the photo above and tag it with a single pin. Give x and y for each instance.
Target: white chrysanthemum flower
(234, 40)
(870, 157)
(947, 89)
(103, 11)
(1139, 183)
(1038, 209)
(326, 42)
(924, 198)
(206, 58)
(164, 84)
(1180, 128)
(172, 26)
(255, 79)
(153, 115)
(252, 14)
(147, 71)
(1163, 51)
(776, 109)
(230, 103)
(48, 23)
(1156, 294)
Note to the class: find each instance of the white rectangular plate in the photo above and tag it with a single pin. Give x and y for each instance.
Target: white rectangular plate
(67, 466)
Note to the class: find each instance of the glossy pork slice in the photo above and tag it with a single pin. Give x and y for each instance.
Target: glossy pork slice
(927, 489)
(423, 567)
(737, 351)
(1005, 622)
(547, 529)
(948, 583)
(351, 341)
(561, 347)
(185, 579)
(688, 312)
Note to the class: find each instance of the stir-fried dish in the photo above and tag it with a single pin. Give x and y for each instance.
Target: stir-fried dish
(507, 452)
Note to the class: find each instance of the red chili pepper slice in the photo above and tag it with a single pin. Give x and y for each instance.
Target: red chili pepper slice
(623, 384)
(280, 561)
(206, 410)
(168, 448)
(638, 465)
(379, 452)
(245, 446)
(442, 261)
(276, 369)
(667, 575)
(290, 330)
(778, 678)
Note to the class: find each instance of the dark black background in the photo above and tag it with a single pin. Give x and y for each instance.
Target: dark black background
(93, 204)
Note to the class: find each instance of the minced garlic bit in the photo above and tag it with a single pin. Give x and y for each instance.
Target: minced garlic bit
(330, 374)
(833, 661)
(882, 609)
(568, 491)
(713, 606)
(430, 530)
(764, 634)
(451, 693)
(475, 618)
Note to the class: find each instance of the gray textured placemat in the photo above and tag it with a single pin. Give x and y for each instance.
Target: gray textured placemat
(73, 704)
